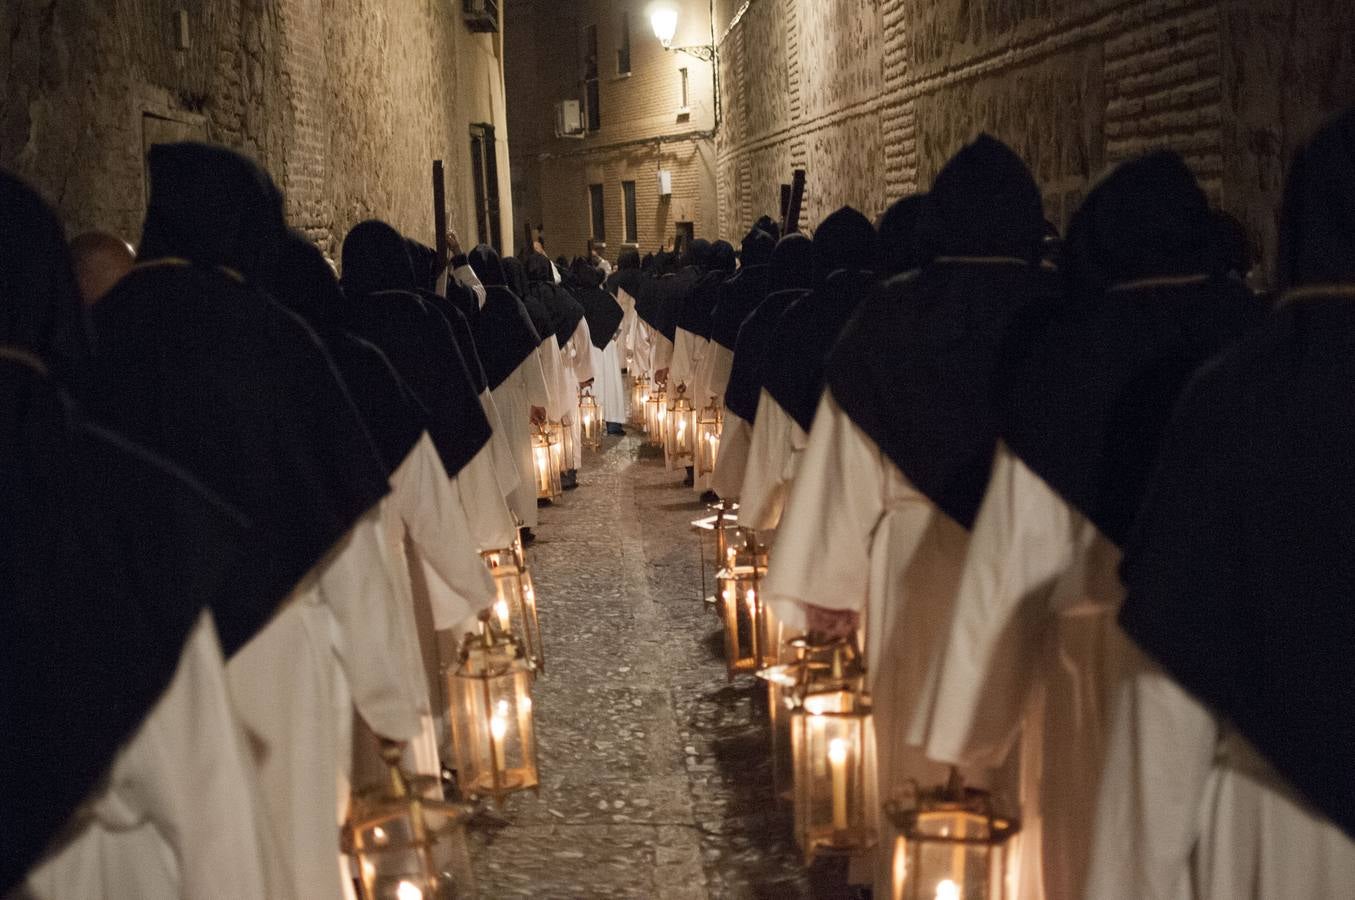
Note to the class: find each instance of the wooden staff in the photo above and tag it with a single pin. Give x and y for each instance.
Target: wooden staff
(440, 212)
(785, 202)
(797, 196)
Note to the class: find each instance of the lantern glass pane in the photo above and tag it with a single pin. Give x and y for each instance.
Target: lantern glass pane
(707, 446)
(590, 421)
(546, 466)
(828, 743)
(941, 866)
(394, 863)
(737, 589)
(491, 717)
(514, 608)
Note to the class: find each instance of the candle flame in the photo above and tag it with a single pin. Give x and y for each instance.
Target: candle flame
(501, 610)
(408, 891)
(837, 752)
(947, 890)
(498, 726)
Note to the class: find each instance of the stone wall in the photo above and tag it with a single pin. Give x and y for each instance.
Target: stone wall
(872, 96)
(345, 102)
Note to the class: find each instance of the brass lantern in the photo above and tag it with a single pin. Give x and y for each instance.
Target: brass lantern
(514, 608)
(738, 586)
(564, 439)
(832, 749)
(489, 696)
(656, 416)
(950, 846)
(590, 420)
(708, 438)
(639, 396)
(802, 661)
(725, 526)
(404, 846)
(680, 447)
(546, 463)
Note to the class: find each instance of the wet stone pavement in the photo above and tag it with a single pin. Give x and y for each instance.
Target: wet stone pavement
(655, 774)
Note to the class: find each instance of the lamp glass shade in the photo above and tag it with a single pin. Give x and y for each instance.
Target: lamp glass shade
(663, 19)
(951, 846)
(708, 425)
(656, 416)
(680, 446)
(590, 420)
(832, 733)
(546, 464)
(639, 395)
(514, 608)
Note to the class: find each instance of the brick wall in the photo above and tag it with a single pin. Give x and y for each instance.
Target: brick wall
(872, 96)
(345, 102)
(642, 128)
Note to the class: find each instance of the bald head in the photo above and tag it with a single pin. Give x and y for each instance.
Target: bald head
(100, 260)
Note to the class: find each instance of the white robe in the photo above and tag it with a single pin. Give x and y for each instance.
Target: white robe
(609, 386)
(180, 813)
(1034, 648)
(576, 357)
(520, 391)
(1186, 802)
(856, 535)
(773, 454)
(732, 463)
(333, 645)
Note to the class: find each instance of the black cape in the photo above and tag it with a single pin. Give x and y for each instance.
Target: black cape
(537, 311)
(917, 368)
(564, 310)
(393, 416)
(204, 368)
(504, 334)
(1086, 404)
(459, 327)
(741, 293)
(804, 336)
(384, 308)
(627, 275)
(600, 308)
(1241, 583)
(789, 277)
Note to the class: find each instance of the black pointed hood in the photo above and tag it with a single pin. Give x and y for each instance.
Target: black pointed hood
(1317, 229)
(504, 334)
(600, 308)
(917, 367)
(905, 242)
(385, 309)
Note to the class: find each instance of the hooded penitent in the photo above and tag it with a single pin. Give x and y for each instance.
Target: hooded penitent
(107, 554)
(203, 367)
(696, 311)
(504, 333)
(915, 368)
(790, 276)
(520, 285)
(1239, 569)
(601, 310)
(378, 283)
(1086, 401)
(565, 312)
(627, 276)
(844, 255)
(393, 416)
(741, 294)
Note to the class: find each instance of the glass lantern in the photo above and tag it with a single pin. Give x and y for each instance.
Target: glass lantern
(738, 585)
(489, 695)
(802, 661)
(404, 846)
(639, 396)
(590, 420)
(708, 438)
(656, 416)
(950, 846)
(832, 736)
(546, 463)
(514, 608)
(680, 447)
(564, 439)
(724, 526)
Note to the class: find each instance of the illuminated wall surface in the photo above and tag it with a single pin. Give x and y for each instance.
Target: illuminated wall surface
(346, 102)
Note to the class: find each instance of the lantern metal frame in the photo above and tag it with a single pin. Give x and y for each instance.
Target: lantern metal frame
(514, 606)
(721, 524)
(408, 825)
(490, 691)
(680, 439)
(709, 426)
(565, 440)
(639, 396)
(546, 463)
(976, 868)
(590, 420)
(738, 585)
(803, 661)
(656, 417)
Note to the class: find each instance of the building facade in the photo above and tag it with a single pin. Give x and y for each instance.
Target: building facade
(613, 135)
(871, 97)
(345, 102)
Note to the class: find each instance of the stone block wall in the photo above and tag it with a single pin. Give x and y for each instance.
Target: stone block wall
(872, 96)
(345, 102)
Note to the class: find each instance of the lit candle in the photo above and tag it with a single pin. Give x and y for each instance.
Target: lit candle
(408, 891)
(947, 890)
(498, 727)
(837, 762)
(501, 610)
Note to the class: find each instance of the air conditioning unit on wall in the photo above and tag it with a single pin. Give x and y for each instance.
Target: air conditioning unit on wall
(568, 119)
(665, 183)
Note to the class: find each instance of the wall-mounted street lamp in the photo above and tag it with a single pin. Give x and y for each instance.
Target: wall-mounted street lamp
(663, 18)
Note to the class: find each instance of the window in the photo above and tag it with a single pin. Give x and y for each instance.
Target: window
(484, 165)
(599, 212)
(682, 73)
(590, 78)
(628, 208)
(623, 46)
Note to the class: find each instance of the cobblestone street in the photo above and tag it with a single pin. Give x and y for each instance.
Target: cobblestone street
(655, 778)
